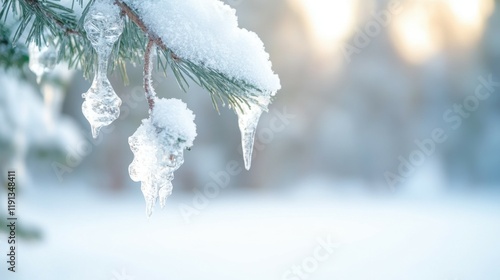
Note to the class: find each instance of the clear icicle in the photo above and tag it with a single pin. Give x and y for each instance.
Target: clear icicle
(42, 59)
(164, 192)
(247, 122)
(104, 26)
(248, 119)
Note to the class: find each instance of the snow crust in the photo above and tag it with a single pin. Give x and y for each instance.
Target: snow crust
(174, 116)
(207, 33)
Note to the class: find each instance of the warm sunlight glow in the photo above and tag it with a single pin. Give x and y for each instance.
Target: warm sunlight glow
(330, 21)
(469, 18)
(427, 27)
(414, 36)
(471, 12)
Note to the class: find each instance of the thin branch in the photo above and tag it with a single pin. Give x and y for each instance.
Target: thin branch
(135, 18)
(138, 21)
(148, 69)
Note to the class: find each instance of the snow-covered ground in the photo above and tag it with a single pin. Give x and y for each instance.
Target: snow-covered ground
(87, 236)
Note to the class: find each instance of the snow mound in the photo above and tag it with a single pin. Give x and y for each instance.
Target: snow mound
(207, 33)
(174, 116)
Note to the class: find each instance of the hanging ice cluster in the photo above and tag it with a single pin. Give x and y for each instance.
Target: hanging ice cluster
(103, 25)
(158, 146)
(42, 58)
(207, 33)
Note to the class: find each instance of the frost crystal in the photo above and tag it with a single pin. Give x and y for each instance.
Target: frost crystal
(104, 26)
(42, 59)
(158, 146)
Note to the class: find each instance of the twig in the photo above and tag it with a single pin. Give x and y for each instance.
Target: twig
(154, 39)
(35, 4)
(148, 68)
(138, 21)
(135, 18)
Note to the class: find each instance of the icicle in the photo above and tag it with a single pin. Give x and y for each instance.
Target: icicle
(158, 146)
(248, 119)
(42, 59)
(104, 26)
(247, 122)
(164, 192)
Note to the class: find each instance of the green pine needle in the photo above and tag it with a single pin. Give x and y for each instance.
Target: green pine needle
(43, 21)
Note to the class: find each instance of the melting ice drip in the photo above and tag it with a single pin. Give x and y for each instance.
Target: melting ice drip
(158, 148)
(248, 119)
(42, 59)
(104, 26)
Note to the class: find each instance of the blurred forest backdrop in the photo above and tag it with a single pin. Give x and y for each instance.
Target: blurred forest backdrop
(360, 81)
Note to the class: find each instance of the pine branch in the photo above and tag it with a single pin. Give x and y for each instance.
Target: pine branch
(11, 56)
(39, 7)
(43, 16)
(218, 85)
(135, 18)
(70, 39)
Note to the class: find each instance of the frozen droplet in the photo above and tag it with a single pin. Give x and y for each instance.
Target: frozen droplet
(101, 106)
(248, 119)
(103, 25)
(42, 59)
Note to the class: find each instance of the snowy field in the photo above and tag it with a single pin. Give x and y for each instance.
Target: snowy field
(242, 236)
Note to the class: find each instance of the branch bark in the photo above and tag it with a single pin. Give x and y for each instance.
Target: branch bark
(153, 40)
(148, 68)
(135, 18)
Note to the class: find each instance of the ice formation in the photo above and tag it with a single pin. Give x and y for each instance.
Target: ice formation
(42, 59)
(158, 146)
(248, 119)
(104, 26)
(207, 33)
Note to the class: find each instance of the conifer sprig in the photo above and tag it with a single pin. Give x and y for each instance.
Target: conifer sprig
(43, 21)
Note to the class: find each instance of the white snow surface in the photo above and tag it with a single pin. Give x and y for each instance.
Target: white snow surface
(207, 33)
(248, 236)
(173, 115)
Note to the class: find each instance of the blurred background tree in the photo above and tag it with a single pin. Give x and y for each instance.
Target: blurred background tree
(353, 117)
